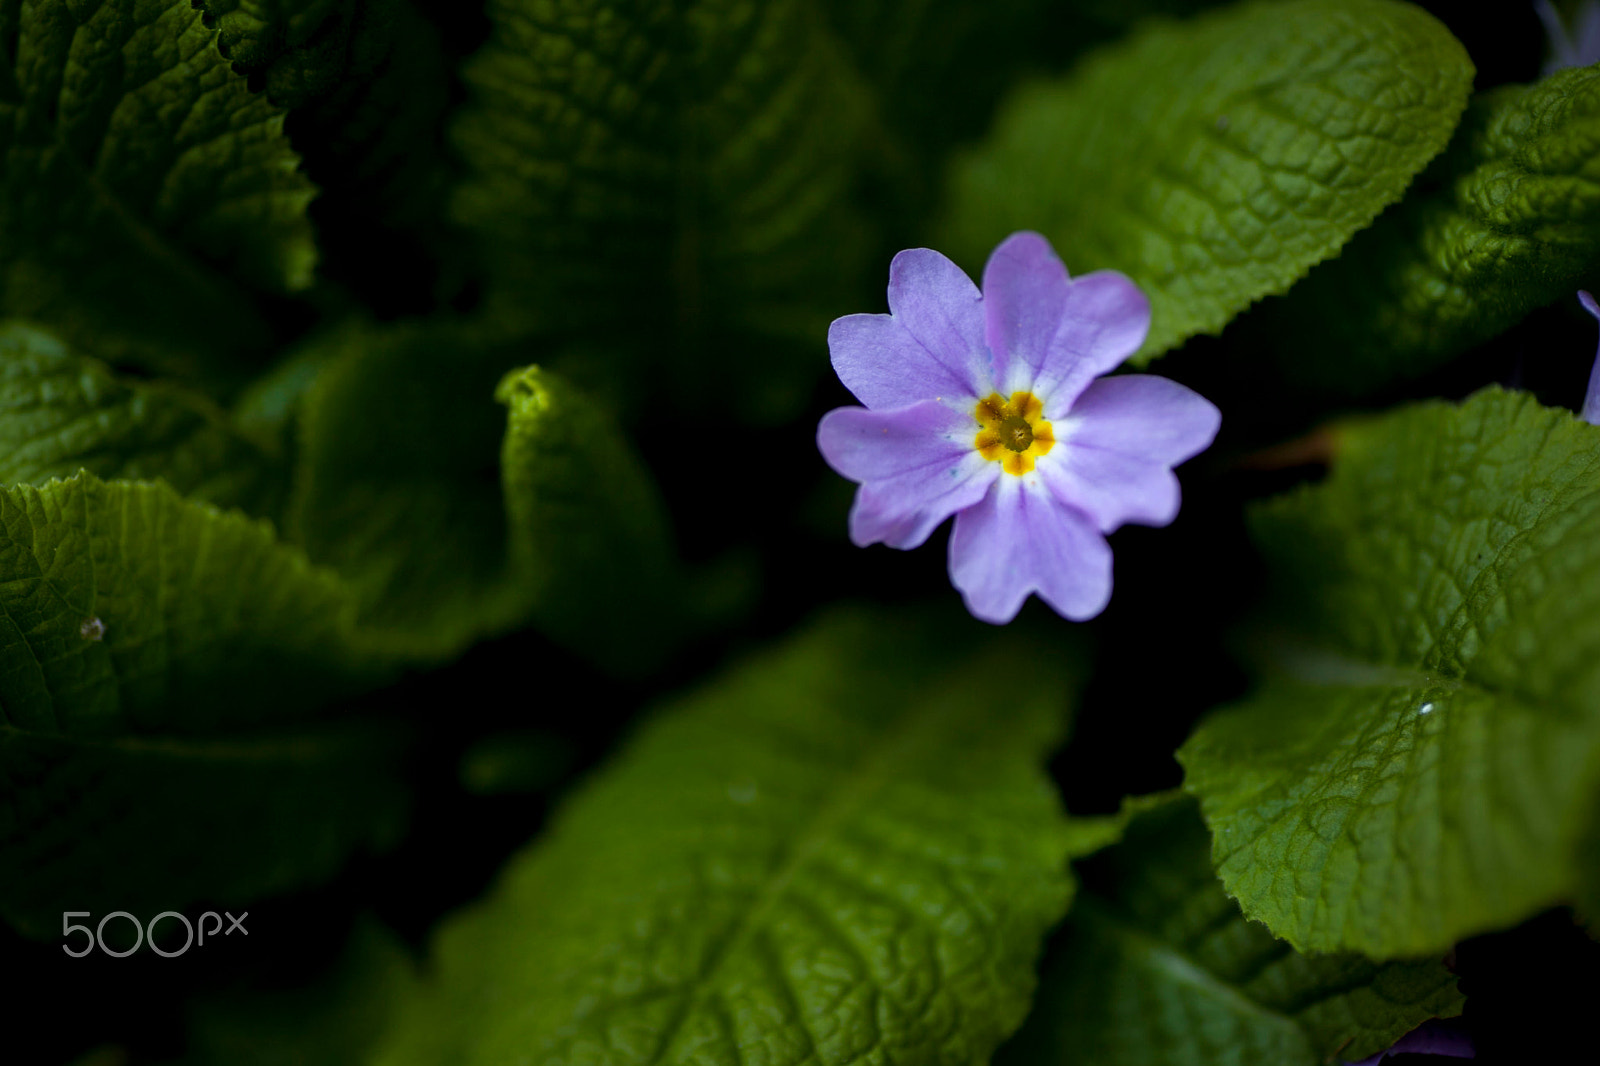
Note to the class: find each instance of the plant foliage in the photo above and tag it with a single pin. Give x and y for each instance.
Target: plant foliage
(413, 535)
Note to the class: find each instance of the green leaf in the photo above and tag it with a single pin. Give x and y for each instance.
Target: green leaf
(1158, 967)
(1215, 161)
(1418, 767)
(453, 521)
(153, 823)
(197, 605)
(136, 164)
(528, 761)
(588, 531)
(61, 412)
(157, 659)
(1507, 220)
(332, 1020)
(680, 171)
(845, 850)
(298, 48)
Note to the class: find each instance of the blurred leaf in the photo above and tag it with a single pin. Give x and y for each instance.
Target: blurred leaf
(398, 487)
(1586, 899)
(1215, 161)
(680, 172)
(136, 164)
(1507, 220)
(333, 1021)
(939, 65)
(454, 522)
(1158, 967)
(152, 823)
(519, 761)
(1420, 769)
(61, 412)
(588, 529)
(843, 850)
(141, 635)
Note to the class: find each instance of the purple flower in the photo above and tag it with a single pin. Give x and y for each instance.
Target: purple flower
(1591, 399)
(1580, 50)
(986, 406)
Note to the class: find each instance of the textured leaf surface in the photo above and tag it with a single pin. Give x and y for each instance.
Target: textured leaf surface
(298, 48)
(61, 412)
(197, 605)
(1158, 967)
(455, 518)
(1507, 220)
(682, 170)
(137, 630)
(845, 850)
(1420, 766)
(135, 164)
(1215, 161)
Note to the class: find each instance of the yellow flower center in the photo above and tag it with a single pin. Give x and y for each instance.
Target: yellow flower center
(1011, 432)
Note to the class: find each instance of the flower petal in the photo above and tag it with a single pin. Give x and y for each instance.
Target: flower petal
(1142, 416)
(916, 465)
(884, 366)
(1050, 333)
(1590, 411)
(1019, 539)
(1110, 487)
(941, 307)
(1435, 1037)
(1024, 295)
(929, 346)
(1105, 321)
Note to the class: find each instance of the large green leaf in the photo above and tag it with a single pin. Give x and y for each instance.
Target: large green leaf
(135, 164)
(682, 171)
(1423, 758)
(61, 412)
(846, 850)
(1215, 161)
(455, 519)
(1507, 220)
(157, 657)
(1158, 967)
